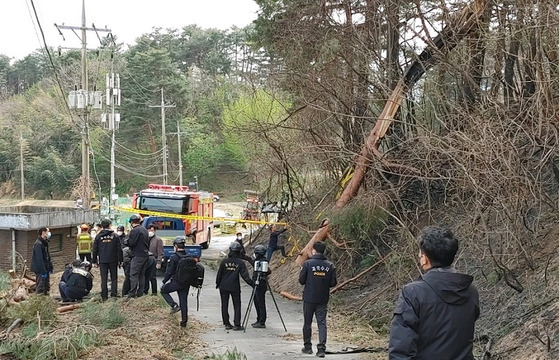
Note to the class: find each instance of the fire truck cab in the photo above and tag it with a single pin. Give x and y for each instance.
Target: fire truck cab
(180, 200)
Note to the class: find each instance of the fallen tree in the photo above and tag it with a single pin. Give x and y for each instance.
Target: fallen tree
(458, 28)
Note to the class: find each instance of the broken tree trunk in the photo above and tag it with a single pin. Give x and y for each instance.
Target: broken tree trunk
(322, 233)
(460, 26)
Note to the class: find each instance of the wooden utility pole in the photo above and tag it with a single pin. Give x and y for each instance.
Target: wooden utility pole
(163, 135)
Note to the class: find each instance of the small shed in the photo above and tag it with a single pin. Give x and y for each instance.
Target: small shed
(19, 225)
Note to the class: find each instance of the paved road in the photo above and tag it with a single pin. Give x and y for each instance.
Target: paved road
(270, 343)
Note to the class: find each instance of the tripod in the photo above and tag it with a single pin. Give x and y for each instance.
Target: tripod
(250, 302)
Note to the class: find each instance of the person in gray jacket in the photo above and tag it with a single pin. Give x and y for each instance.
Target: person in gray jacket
(435, 315)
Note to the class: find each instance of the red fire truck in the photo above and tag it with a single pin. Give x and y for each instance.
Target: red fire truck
(176, 200)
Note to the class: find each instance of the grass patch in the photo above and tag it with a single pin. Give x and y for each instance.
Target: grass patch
(38, 306)
(107, 316)
(66, 343)
(231, 354)
(5, 281)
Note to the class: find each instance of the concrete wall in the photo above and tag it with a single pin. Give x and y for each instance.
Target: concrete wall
(35, 217)
(62, 247)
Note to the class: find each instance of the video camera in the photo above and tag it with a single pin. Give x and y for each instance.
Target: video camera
(261, 266)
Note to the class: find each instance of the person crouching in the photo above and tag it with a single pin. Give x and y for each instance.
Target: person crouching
(78, 284)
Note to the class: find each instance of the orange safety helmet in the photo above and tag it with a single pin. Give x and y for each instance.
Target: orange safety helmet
(84, 226)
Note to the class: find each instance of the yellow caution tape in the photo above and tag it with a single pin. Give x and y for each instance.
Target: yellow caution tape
(195, 217)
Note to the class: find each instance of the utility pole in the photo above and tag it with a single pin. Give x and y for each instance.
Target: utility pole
(163, 135)
(112, 99)
(83, 100)
(180, 152)
(178, 133)
(22, 179)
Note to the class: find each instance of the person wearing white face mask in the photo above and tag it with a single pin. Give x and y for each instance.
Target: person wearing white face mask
(41, 263)
(155, 248)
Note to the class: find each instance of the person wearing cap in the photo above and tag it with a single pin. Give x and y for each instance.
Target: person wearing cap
(155, 259)
(435, 315)
(229, 285)
(174, 285)
(138, 241)
(107, 254)
(85, 243)
(318, 275)
(79, 283)
(41, 263)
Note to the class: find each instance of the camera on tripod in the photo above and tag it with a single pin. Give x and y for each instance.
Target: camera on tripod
(261, 266)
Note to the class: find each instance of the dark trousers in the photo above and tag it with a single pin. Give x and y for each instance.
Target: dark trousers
(137, 276)
(126, 284)
(150, 276)
(236, 297)
(182, 292)
(85, 256)
(104, 270)
(42, 284)
(320, 311)
(71, 293)
(260, 303)
(271, 250)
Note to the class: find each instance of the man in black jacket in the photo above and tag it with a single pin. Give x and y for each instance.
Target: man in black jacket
(435, 315)
(78, 284)
(107, 254)
(242, 252)
(228, 283)
(41, 263)
(318, 275)
(175, 285)
(273, 242)
(138, 242)
(260, 279)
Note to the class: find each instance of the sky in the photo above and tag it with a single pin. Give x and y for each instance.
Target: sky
(127, 19)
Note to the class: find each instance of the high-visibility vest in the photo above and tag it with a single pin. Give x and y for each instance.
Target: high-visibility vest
(85, 241)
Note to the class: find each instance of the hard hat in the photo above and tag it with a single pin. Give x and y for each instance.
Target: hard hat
(86, 264)
(179, 240)
(260, 250)
(135, 218)
(235, 246)
(84, 226)
(120, 228)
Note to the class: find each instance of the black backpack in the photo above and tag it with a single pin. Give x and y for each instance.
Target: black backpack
(188, 272)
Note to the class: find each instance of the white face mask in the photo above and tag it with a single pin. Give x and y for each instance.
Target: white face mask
(239, 237)
(151, 233)
(119, 233)
(49, 235)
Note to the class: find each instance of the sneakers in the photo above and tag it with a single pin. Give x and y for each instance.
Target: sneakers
(228, 326)
(258, 325)
(175, 309)
(306, 350)
(320, 353)
(238, 328)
